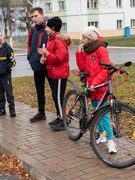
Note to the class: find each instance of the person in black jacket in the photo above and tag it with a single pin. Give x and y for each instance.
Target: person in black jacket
(7, 61)
(37, 37)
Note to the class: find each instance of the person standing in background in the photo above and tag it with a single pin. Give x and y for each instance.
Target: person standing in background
(37, 37)
(7, 62)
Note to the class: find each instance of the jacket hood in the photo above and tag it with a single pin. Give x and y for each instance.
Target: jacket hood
(64, 37)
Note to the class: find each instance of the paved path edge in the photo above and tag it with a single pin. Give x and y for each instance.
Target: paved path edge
(36, 170)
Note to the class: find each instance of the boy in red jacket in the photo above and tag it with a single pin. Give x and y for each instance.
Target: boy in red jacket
(90, 53)
(56, 58)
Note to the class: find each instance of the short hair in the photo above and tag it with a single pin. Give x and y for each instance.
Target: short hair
(39, 9)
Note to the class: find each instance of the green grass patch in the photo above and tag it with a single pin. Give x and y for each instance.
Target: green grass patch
(24, 88)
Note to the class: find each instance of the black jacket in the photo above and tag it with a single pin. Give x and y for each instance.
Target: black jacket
(36, 38)
(7, 60)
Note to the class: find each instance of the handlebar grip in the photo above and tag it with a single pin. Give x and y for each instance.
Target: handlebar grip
(107, 66)
(122, 71)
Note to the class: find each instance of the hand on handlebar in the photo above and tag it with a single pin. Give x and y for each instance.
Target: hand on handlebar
(92, 88)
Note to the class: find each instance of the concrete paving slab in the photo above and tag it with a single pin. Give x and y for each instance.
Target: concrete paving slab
(51, 155)
(9, 178)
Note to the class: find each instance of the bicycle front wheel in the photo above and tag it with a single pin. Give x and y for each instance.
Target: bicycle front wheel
(125, 145)
(72, 114)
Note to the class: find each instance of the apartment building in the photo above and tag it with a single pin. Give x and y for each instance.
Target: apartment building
(112, 17)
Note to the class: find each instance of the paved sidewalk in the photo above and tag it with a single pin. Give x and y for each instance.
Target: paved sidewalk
(50, 155)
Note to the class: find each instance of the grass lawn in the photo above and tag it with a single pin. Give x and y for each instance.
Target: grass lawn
(114, 41)
(24, 89)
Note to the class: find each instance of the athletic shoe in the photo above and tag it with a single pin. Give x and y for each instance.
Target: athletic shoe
(56, 121)
(101, 139)
(59, 126)
(2, 112)
(38, 117)
(111, 147)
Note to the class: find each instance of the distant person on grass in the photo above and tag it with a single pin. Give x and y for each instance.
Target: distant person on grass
(37, 37)
(7, 62)
(56, 59)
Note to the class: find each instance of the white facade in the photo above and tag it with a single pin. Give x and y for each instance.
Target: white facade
(113, 17)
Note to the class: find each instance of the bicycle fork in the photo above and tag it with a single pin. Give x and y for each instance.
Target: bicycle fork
(115, 110)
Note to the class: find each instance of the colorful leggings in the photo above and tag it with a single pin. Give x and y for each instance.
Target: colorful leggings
(104, 123)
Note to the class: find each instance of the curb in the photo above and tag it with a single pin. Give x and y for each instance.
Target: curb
(36, 170)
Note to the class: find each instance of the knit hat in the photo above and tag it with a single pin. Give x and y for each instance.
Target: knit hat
(91, 32)
(55, 23)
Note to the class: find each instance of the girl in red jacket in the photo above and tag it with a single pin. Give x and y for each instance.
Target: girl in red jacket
(56, 58)
(90, 53)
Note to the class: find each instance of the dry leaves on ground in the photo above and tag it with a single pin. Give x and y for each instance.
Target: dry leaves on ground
(10, 166)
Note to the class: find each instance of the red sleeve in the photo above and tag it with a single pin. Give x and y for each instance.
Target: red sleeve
(59, 54)
(80, 61)
(102, 76)
(29, 39)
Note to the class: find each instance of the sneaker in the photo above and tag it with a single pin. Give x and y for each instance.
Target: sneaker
(2, 112)
(111, 147)
(56, 121)
(59, 126)
(12, 112)
(101, 139)
(38, 117)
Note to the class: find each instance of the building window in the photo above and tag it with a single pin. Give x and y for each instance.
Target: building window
(119, 24)
(48, 7)
(21, 11)
(132, 23)
(118, 3)
(62, 6)
(92, 3)
(132, 3)
(93, 24)
(22, 29)
(64, 27)
(22, 20)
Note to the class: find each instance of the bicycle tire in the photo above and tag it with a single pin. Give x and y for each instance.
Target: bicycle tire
(72, 116)
(125, 155)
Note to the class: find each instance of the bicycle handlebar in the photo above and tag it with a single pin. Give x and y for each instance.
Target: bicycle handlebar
(120, 70)
(111, 67)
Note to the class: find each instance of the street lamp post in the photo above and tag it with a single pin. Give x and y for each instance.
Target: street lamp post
(80, 19)
(10, 25)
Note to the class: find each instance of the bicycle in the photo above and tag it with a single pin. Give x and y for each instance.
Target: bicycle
(77, 119)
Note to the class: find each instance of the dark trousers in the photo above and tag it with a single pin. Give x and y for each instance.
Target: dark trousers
(58, 87)
(39, 78)
(6, 89)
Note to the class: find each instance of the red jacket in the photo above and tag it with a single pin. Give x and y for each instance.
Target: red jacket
(98, 75)
(57, 62)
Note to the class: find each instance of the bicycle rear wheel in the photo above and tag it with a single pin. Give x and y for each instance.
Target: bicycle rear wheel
(125, 145)
(72, 114)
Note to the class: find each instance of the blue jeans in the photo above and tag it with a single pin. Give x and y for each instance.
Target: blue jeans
(104, 123)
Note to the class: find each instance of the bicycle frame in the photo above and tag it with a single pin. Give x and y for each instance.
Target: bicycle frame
(78, 118)
(109, 93)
